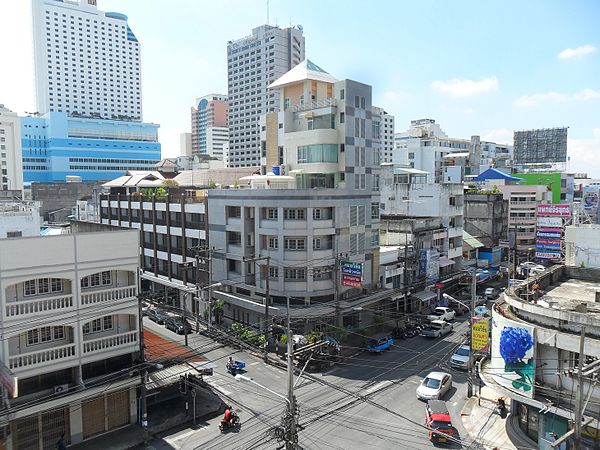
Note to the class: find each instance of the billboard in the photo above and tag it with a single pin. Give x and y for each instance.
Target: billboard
(351, 274)
(555, 256)
(554, 210)
(555, 235)
(553, 222)
(513, 354)
(544, 247)
(480, 333)
(547, 145)
(429, 264)
(589, 198)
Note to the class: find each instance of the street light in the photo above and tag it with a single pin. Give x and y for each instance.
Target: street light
(246, 379)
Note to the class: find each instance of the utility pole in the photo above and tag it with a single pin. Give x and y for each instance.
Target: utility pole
(267, 297)
(291, 437)
(336, 290)
(405, 278)
(579, 394)
(144, 372)
(185, 265)
(515, 252)
(471, 315)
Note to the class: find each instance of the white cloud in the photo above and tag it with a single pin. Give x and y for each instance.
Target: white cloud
(458, 87)
(577, 52)
(468, 111)
(528, 101)
(499, 135)
(585, 154)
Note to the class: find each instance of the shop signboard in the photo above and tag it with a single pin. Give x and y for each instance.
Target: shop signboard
(555, 256)
(541, 234)
(549, 230)
(429, 264)
(513, 354)
(480, 330)
(548, 241)
(351, 274)
(549, 210)
(556, 222)
(544, 247)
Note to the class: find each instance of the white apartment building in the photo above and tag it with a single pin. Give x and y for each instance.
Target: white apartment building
(19, 219)
(11, 161)
(582, 245)
(405, 193)
(70, 326)
(87, 61)
(317, 206)
(383, 131)
(253, 63)
(216, 140)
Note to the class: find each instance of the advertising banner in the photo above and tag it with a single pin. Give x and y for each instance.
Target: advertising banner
(549, 235)
(589, 198)
(513, 354)
(549, 230)
(555, 256)
(351, 274)
(480, 334)
(556, 222)
(544, 247)
(429, 264)
(548, 241)
(554, 210)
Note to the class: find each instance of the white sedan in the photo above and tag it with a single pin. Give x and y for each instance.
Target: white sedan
(434, 386)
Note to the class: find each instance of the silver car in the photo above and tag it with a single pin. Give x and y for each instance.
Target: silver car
(461, 357)
(434, 386)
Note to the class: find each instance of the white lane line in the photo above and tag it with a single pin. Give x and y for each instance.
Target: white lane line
(378, 386)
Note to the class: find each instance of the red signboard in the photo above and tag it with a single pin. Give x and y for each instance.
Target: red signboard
(353, 281)
(439, 285)
(549, 230)
(554, 210)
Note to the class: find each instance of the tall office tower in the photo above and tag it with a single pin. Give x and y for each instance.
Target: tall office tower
(209, 125)
(253, 63)
(383, 132)
(87, 62)
(11, 165)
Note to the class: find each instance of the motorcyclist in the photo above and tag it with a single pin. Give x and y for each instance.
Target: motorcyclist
(228, 417)
(230, 363)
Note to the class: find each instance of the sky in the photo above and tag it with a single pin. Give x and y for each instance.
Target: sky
(484, 68)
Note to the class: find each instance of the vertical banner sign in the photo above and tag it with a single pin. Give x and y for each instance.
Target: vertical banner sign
(549, 233)
(480, 330)
(352, 274)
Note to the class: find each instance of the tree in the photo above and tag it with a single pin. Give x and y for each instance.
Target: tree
(170, 182)
(218, 310)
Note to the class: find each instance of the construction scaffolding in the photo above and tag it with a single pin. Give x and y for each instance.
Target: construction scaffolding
(540, 150)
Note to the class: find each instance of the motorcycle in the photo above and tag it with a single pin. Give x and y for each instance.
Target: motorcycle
(235, 367)
(233, 423)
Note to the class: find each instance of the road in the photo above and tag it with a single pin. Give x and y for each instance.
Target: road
(368, 401)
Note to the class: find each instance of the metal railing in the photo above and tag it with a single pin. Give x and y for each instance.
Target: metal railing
(323, 103)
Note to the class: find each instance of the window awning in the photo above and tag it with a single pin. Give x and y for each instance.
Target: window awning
(445, 262)
(424, 296)
(471, 241)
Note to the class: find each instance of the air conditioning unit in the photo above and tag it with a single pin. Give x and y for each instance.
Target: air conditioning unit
(61, 388)
(283, 169)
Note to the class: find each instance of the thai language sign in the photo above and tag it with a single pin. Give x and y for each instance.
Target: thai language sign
(352, 274)
(555, 222)
(549, 235)
(554, 210)
(480, 330)
(548, 255)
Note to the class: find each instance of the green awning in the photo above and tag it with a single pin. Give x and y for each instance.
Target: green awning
(471, 241)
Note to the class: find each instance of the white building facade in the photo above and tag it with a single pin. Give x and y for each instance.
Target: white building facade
(11, 161)
(86, 61)
(70, 327)
(383, 131)
(19, 219)
(253, 63)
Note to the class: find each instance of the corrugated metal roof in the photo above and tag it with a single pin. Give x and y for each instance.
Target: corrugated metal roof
(471, 241)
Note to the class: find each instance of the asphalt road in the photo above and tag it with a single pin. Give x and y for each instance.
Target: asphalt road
(366, 402)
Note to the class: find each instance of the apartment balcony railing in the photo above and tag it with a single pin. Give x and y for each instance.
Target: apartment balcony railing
(43, 305)
(109, 342)
(323, 103)
(28, 360)
(107, 295)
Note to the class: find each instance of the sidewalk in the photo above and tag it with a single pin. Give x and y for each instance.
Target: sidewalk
(482, 422)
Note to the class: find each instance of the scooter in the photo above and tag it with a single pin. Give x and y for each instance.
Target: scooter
(235, 422)
(235, 367)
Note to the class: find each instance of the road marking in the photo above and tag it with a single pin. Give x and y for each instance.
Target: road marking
(378, 386)
(255, 363)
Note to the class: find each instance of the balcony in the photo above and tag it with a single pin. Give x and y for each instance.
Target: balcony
(34, 359)
(316, 104)
(107, 295)
(111, 342)
(25, 308)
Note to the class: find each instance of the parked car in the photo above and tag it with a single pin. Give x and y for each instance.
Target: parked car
(460, 358)
(442, 313)
(145, 307)
(377, 344)
(157, 315)
(438, 418)
(490, 293)
(178, 325)
(434, 386)
(437, 328)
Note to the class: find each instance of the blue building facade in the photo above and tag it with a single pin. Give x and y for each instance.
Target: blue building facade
(56, 146)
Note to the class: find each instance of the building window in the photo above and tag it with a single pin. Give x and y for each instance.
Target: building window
(295, 274)
(374, 210)
(342, 117)
(59, 333)
(107, 322)
(342, 93)
(273, 273)
(357, 215)
(12, 234)
(234, 212)
(32, 337)
(272, 214)
(273, 242)
(96, 279)
(45, 334)
(30, 287)
(96, 325)
(317, 214)
(295, 243)
(294, 214)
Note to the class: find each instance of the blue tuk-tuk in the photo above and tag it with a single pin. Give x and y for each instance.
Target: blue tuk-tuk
(377, 344)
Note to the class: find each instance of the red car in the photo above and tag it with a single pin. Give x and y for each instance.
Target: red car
(438, 419)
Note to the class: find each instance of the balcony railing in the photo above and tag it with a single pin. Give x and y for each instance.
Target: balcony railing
(323, 103)
(109, 342)
(27, 360)
(22, 308)
(108, 295)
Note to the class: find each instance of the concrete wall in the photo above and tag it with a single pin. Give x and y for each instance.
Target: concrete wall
(57, 196)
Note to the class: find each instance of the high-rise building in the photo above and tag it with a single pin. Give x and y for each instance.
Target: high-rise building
(253, 63)
(209, 125)
(87, 61)
(11, 166)
(383, 131)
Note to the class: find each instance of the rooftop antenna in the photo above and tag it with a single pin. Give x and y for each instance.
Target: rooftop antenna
(268, 12)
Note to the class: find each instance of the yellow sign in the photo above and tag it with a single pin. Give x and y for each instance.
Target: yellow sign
(480, 335)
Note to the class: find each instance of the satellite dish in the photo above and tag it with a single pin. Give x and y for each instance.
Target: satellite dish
(300, 27)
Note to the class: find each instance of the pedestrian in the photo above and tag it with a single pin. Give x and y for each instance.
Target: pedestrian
(60, 445)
